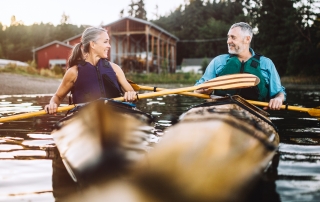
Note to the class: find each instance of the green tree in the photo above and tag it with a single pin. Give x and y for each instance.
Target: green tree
(121, 13)
(2, 36)
(17, 41)
(305, 50)
(276, 31)
(287, 33)
(1, 52)
(204, 64)
(215, 31)
(64, 19)
(202, 26)
(137, 10)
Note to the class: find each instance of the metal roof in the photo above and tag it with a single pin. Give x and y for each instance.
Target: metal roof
(130, 18)
(144, 22)
(51, 43)
(71, 38)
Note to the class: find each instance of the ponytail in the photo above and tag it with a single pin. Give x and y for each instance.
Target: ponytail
(76, 55)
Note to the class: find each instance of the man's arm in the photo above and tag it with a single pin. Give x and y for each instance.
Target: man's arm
(276, 102)
(211, 72)
(276, 90)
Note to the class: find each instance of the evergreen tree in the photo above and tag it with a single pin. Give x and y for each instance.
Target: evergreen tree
(276, 31)
(287, 33)
(64, 19)
(202, 26)
(305, 50)
(137, 10)
(17, 41)
(121, 13)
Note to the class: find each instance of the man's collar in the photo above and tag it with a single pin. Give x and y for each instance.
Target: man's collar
(251, 51)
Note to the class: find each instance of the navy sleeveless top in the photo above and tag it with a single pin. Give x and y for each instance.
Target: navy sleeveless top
(94, 82)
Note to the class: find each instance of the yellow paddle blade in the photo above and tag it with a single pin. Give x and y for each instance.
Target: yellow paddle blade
(135, 86)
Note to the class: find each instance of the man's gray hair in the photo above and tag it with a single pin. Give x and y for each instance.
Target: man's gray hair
(245, 28)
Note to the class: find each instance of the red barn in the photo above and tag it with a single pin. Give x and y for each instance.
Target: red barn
(53, 53)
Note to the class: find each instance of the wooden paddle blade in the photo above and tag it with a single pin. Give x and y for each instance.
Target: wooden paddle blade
(221, 82)
(238, 84)
(314, 112)
(244, 76)
(33, 114)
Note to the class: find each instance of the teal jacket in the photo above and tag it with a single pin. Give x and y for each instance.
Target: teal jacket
(268, 71)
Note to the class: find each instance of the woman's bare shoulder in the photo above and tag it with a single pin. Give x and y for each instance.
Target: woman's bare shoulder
(114, 65)
(71, 73)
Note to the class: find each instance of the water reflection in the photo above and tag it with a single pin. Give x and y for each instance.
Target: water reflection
(31, 169)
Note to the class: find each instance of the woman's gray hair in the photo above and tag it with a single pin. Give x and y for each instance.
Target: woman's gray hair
(89, 34)
(245, 28)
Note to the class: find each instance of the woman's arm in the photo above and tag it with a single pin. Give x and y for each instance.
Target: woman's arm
(130, 95)
(64, 88)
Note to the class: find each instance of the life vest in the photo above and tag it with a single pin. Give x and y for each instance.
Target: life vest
(251, 66)
(94, 82)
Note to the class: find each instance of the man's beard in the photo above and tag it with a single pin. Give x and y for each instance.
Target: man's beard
(237, 49)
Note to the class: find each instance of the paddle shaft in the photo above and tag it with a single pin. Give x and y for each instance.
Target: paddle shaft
(310, 111)
(33, 114)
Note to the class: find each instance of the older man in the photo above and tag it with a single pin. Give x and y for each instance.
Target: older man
(242, 58)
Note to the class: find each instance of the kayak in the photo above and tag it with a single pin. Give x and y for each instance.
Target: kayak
(101, 135)
(216, 152)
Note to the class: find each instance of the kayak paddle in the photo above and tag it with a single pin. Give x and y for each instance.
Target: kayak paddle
(223, 82)
(311, 111)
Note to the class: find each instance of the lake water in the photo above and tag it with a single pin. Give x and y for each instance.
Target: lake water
(31, 170)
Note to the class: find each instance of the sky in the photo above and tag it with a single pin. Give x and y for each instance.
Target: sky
(91, 12)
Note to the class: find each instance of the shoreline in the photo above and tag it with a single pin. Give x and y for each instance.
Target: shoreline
(16, 84)
(301, 86)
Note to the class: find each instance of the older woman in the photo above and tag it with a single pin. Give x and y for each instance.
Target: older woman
(90, 75)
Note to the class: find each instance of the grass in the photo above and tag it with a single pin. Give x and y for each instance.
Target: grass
(55, 72)
(164, 78)
(303, 80)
